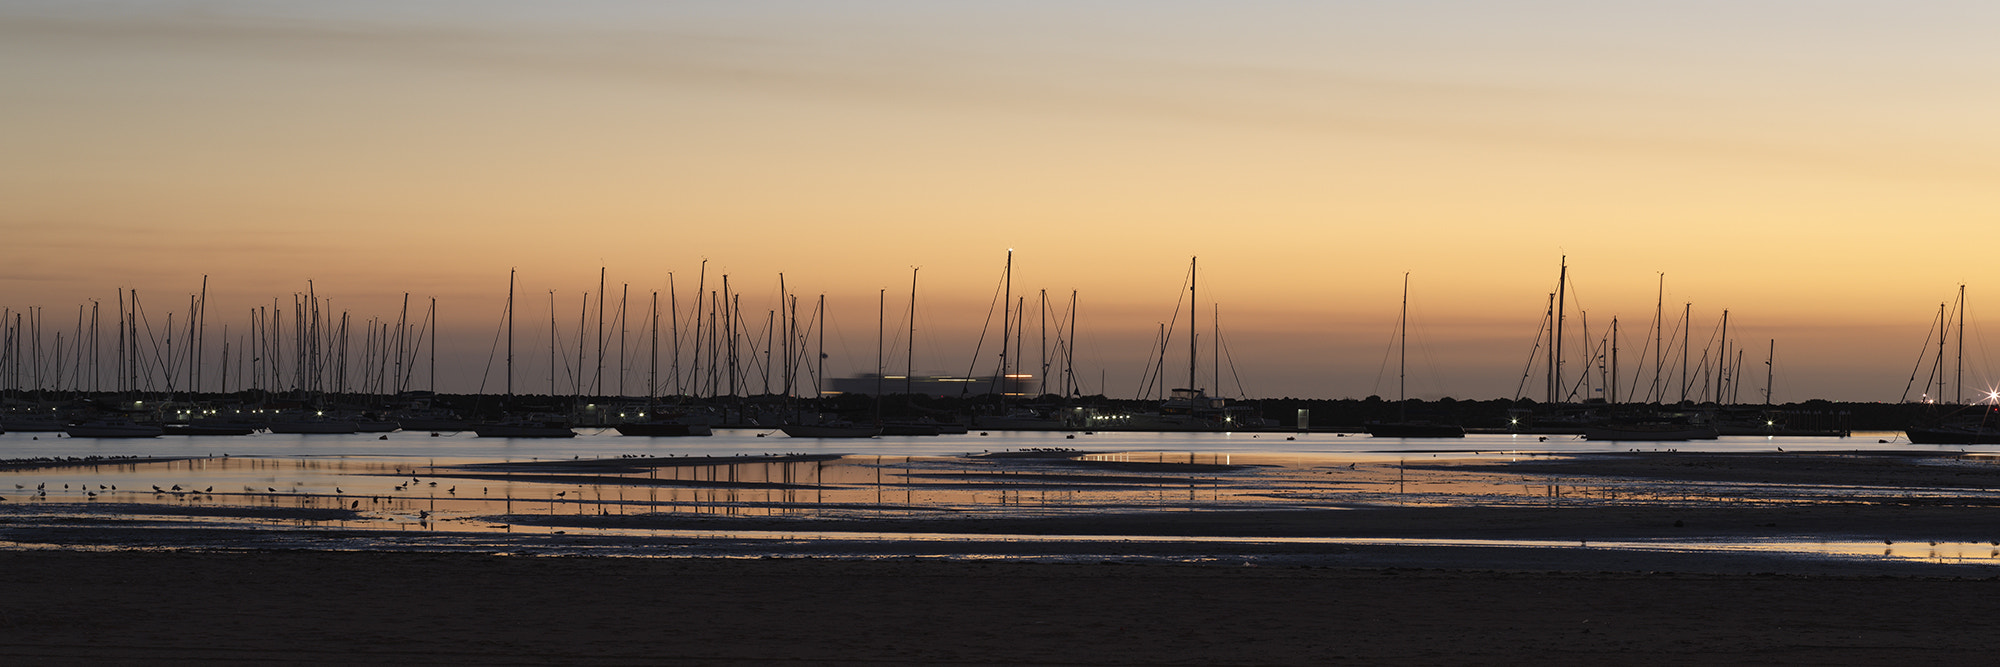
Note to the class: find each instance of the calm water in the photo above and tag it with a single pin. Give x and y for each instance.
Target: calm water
(414, 481)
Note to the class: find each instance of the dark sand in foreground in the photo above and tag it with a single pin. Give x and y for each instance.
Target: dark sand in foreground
(327, 607)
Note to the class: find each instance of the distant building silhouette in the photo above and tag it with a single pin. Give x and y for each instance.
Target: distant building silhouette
(939, 386)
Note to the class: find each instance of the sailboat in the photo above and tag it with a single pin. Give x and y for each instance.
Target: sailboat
(822, 428)
(113, 427)
(1979, 428)
(656, 422)
(527, 426)
(1403, 427)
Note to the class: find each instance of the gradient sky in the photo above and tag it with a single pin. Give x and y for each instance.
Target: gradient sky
(1817, 168)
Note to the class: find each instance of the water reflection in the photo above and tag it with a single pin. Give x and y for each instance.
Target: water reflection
(414, 484)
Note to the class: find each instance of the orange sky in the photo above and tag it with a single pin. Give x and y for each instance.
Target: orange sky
(1816, 174)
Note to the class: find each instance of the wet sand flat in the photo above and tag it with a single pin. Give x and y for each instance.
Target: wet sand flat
(100, 581)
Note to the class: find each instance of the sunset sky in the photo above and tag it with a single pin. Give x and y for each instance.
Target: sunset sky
(1826, 171)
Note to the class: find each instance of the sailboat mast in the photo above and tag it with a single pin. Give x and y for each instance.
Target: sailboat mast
(597, 379)
(820, 315)
(1403, 341)
(1006, 321)
(1192, 349)
(1939, 396)
(1042, 303)
(1562, 295)
(1770, 369)
(624, 293)
(881, 317)
(1020, 334)
(1549, 318)
(1959, 375)
(1069, 351)
(434, 346)
(1722, 359)
(910, 349)
(1687, 313)
(1659, 335)
(653, 362)
(674, 329)
(511, 332)
(552, 344)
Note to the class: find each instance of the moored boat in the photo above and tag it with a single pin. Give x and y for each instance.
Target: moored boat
(311, 425)
(832, 430)
(531, 427)
(112, 427)
(664, 429)
(1413, 429)
(1648, 432)
(210, 427)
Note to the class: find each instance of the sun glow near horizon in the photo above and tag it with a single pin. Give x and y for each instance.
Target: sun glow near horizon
(1798, 169)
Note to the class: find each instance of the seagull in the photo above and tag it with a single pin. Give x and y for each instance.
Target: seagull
(208, 490)
(270, 489)
(356, 505)
(337, 490)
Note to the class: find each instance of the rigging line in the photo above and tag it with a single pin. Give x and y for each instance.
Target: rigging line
(1592, 354)
(966, 387)
(1528, 371)
(1231, 359)
(1648, 345)
(1161, 342)
(1428, 355)
(1388, 352)
(1923, 353)
(158, 358)
(1984, 368)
